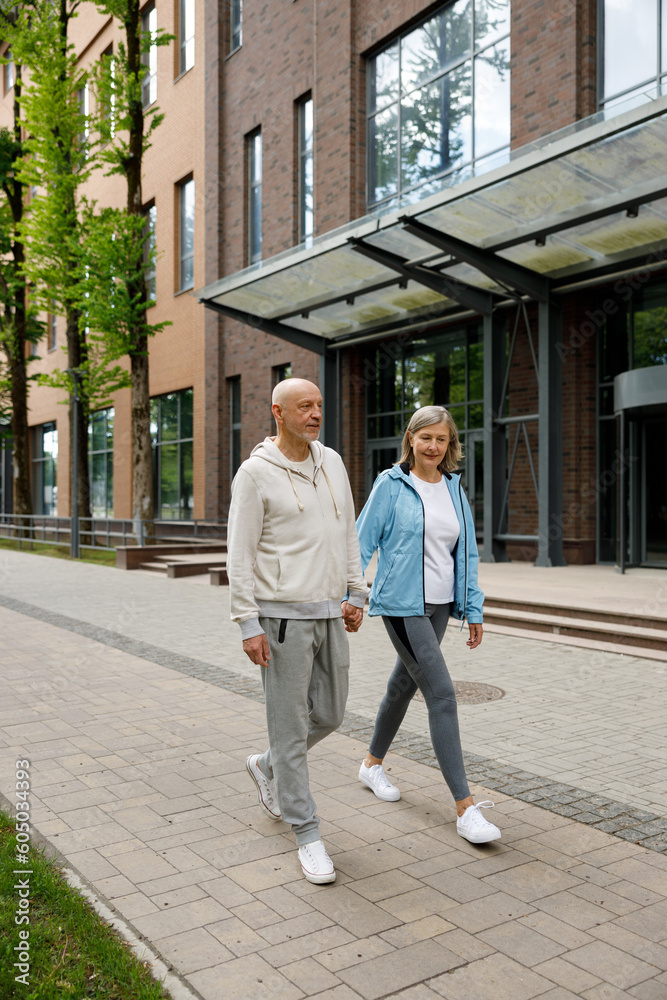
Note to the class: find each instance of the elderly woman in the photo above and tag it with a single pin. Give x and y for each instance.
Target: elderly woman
(419, 520)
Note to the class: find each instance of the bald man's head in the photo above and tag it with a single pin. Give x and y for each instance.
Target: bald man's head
(297, 409)
(289, 388)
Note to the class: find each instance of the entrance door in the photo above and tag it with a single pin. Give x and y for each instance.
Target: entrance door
(654, 520)
(380, 455)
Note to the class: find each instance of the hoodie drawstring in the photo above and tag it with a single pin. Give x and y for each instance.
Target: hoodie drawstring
(298, 498)
(333, 495)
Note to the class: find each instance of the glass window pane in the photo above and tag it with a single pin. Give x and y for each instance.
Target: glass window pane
(492, 20)
(187, 30)
(458, 414)
(492, 99)
(435, 46)
(186, 498)
(476, 415)
(630, 48)
(475, 367)
(109, 509)
(169, 417)
(50, 443)
(187, 223)
(436, 127)
(186, 413)
(649, 340)
(155, 416)
(236, 18)
(169, 492)
(383, 154)
(663, 21)
(383, 73)
(99, 437)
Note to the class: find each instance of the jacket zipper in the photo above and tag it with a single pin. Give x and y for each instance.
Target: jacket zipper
(465, 555)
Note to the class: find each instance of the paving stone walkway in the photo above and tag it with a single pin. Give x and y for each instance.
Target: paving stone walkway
(138, 779)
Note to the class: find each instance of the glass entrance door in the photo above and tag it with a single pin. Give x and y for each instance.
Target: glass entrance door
(654, 520)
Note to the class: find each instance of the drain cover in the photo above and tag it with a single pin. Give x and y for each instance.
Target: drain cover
(473, 693)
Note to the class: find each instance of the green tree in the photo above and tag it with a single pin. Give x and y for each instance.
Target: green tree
(122, 246)
(18, 325)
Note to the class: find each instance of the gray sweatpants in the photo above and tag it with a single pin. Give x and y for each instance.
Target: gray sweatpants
(305, 688)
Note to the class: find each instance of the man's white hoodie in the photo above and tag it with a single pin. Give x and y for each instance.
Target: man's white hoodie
(293, 550)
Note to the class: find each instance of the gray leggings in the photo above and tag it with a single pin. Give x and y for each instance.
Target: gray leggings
(420, 664)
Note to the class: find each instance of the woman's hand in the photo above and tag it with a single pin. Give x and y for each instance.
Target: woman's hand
(476, 632)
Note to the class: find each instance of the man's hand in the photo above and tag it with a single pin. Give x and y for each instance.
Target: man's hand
(257, 649)
(476, 632)
(352, 617)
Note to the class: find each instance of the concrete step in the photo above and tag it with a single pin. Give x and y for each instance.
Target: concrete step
(587, 614)
(218, 575)
(178, 570)
(154, 567)
(569, 640)
(620, 630)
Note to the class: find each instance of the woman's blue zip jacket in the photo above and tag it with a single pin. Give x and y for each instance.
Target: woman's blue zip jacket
(392, 522)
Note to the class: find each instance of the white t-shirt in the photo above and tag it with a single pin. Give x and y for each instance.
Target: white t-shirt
(441, 533)
(307, 466)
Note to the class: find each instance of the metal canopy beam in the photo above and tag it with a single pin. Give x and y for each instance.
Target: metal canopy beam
(467, 295)
(550, 394)
(301, 338)
(521, 279)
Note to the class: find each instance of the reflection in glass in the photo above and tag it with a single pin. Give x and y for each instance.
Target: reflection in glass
(169, 417)
(383, 154)
(492, 98)
(100, 459)
(649, 329)
(306, 199)
(187, 233)
(436, 45)
(630, 48)
(171, 432)
(383, 73)
(436, 127)
(492, 21)
(186, 27)
(149, 57)
(255, 197)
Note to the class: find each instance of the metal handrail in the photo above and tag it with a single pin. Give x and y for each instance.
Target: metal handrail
(113, 531)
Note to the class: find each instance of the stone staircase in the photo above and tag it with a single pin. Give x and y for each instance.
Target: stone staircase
(628, 633)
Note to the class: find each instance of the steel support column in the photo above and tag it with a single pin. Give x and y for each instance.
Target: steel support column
(550, 478)
(494, 550)
(330, 390)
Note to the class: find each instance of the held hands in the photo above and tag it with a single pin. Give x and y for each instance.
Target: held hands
(352, 617)
(257, 649)
(476, 632)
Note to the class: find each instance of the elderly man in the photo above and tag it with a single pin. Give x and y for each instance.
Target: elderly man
(296, 587)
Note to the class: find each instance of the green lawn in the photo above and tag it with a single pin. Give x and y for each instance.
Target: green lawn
(101, 557)
(72, 954)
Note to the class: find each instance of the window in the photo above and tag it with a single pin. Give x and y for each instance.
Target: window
(9, 70)
(149, 252)
(149, 56)
(186, 234)
(439, 101)
(235, 423)
(186, 35)
(255, 197)
(236, 15)
(109, 97)
(100, 459)
(171, 434)
(306, 178)
(281, 372)
(634, 50)
(52, 330)
(44, 465)
(83, 96)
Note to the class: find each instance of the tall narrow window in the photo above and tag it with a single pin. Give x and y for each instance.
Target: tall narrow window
(306, 178)
(109, 95)
(100, 458)
(255, 197)
(9, 70)
(84, 110)
(236, 12)
(44, 466)
(186, 213)
(634, 63)
(53, 330)
(186, 35)
(235, 423)
(171, 433)
(149, 57)
(149, 251)
(281, 372)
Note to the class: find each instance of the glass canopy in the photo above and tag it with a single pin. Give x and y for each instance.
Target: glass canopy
(578, 203)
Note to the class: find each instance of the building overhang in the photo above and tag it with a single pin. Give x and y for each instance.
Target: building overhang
(580, 204)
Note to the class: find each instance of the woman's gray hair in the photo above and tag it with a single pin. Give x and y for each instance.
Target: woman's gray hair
(424, 417)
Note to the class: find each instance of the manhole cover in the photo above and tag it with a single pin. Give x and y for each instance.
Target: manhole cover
(473, 693)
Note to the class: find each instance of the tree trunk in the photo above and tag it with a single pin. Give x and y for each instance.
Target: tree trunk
(142, 459)
(76, 356)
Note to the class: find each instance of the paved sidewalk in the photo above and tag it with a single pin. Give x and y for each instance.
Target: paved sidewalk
(138, 779)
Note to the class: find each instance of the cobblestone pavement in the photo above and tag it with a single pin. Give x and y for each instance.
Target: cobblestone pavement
(138, 779)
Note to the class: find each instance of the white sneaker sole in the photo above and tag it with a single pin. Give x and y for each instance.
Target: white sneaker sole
(387, 797)
(482, 839)
(319, 879)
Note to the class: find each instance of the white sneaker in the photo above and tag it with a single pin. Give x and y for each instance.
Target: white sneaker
(378, 782)
(316, 864)
(266, 792)
(474, 827)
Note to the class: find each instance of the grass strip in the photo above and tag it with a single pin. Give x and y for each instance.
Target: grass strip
(101, 557)
(72, 953)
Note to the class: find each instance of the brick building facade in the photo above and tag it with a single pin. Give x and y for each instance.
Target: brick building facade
(234, 124)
